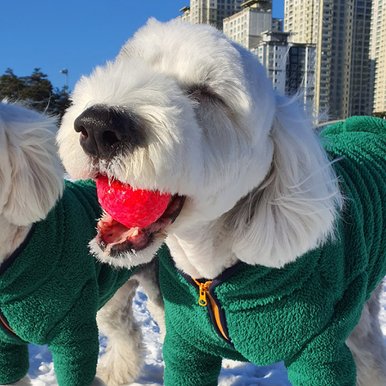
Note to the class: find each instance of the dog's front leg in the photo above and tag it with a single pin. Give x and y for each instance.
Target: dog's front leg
(13, 363)
(322, 365)
(186, 365)
(75, 350)
(74, 341)
(326, 360)
(123, 359)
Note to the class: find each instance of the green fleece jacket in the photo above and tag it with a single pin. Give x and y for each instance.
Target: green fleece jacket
(302, 313)
(51, 289)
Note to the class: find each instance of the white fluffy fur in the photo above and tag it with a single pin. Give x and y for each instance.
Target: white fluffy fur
(259, 187)
(27, 143)
(124, 352)
(30, 173)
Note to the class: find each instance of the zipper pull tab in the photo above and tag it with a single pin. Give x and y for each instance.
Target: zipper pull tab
(203, 291)
(202, 299)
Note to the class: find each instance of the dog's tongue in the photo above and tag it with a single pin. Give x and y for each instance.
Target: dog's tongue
(132, 208)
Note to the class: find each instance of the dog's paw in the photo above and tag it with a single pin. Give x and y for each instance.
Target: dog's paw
(116, 375)
(121, 365)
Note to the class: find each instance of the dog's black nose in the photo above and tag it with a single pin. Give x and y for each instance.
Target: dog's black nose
(106, 131)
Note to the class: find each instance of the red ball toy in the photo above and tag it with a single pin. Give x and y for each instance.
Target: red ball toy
(130, 207)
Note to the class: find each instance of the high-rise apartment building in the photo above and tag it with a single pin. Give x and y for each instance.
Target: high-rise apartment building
(245, 27)
(300, 73)
(301, 19)
(210, 11)
(378, 55)
(185, 13)
(290, 66)
(340, 30)
(272, 53)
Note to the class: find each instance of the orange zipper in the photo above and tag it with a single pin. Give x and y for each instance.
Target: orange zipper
(204, 296)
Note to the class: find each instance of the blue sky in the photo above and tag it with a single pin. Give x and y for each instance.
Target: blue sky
(75, 34)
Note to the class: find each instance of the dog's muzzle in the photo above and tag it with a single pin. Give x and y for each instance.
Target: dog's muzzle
(107, 131)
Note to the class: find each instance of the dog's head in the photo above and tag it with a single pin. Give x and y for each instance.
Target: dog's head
(184, 110)
(31, 176)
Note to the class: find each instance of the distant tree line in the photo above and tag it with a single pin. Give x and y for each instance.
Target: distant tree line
(34, 91)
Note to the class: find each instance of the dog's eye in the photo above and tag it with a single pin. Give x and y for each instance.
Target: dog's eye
(203, 93)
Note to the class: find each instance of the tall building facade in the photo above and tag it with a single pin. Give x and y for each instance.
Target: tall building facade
(300, 73)
(378, 55)
(210, 11)
(245, 27)
(290, 66)
(340, 31)
(272, 53)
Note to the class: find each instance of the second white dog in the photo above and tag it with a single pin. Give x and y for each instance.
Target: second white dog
(50, 285)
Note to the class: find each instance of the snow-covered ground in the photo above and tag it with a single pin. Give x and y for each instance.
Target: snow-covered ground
(233, 373)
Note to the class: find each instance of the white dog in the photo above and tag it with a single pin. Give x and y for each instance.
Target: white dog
(258, 229)
(50, 285)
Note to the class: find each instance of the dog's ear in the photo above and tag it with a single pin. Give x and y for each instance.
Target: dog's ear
(294, 210)
(31, 176)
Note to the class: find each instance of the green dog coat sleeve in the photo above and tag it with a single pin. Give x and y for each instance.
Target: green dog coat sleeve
(326, 360)
(74, 344)
(187, 365)
(338, 368)
(13, 362)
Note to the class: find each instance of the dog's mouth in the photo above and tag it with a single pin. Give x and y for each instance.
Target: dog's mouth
(115, 238)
